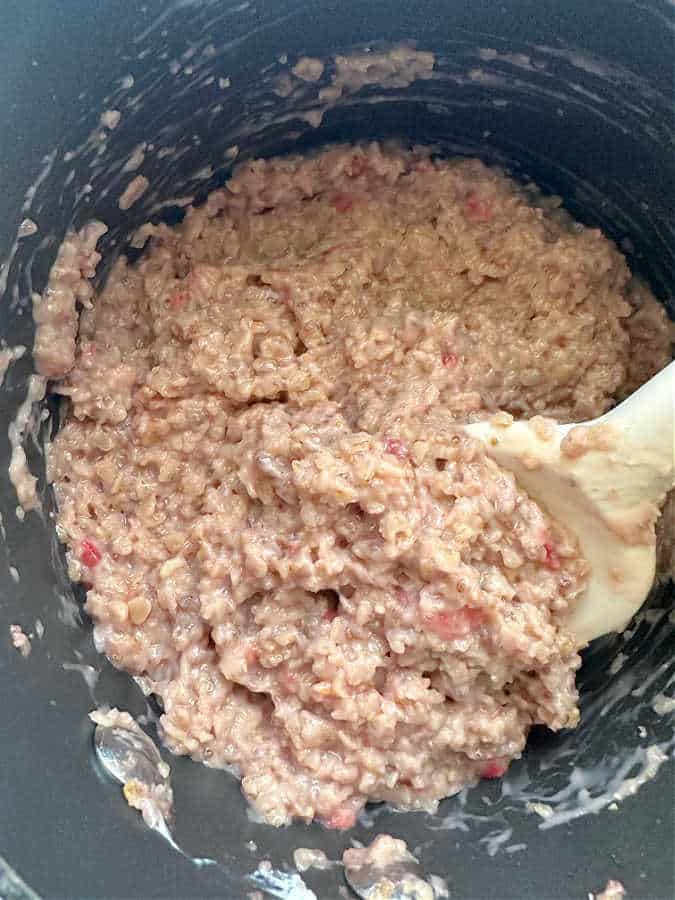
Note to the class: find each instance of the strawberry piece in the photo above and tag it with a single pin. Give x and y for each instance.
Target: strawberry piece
(341, 819)
(179, 299)
(456, 623)
(552, 558)
(396, 448)
(494, 768)
(343, 202)
(90, 555)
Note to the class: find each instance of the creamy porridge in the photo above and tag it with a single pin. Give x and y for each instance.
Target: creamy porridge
(261, 481)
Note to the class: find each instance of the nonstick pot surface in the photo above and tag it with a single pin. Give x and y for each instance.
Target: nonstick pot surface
(576, 96)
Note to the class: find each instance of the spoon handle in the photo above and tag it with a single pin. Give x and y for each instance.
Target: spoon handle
(647, 418)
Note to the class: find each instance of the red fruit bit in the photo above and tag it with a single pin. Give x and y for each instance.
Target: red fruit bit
(552, 558)
(329, 614)
(90, 555)
(477, 210)
(251, 656)
(343, 202)
(396, 448)
(494, 768)
(449, 360)
(342, 819)
(179, 299)
(458, 623)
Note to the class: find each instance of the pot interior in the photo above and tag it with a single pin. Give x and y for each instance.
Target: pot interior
(577, 98)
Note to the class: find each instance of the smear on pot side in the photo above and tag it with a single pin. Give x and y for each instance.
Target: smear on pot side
(261, 481)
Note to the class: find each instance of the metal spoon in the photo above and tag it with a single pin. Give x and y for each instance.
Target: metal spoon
(402, 879)
(128, 755)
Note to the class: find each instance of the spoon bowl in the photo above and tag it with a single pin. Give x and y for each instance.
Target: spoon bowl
(386, 870)
(605, 481)
(127, 756)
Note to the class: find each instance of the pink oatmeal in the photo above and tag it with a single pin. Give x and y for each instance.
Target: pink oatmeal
(261, 480)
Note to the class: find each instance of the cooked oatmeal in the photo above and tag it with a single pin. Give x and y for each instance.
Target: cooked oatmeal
(262, 483)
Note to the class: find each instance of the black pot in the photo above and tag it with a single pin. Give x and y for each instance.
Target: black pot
(577, 96)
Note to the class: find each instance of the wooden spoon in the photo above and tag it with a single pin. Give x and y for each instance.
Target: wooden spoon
(604, 480)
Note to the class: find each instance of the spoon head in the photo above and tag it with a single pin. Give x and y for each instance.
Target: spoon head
(606, 496)
(128, 756)
(400, 880)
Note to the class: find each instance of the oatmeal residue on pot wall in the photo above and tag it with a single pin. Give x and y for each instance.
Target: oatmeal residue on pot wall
(20, 640)
(56, 322)
(136, 159)
(111, 118)
(308, 69)
(8, 356)
(398, 67)
(27, 228)
(395, 68)
(133, 192)
(306, 858)
(20, 476)
(55, 310)
(663, 705)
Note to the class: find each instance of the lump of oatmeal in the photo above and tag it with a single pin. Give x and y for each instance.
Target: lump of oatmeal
(262, 483)
(307, 858)
(20, 640)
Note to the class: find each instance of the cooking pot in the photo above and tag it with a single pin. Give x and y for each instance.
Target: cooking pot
(576, 96)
